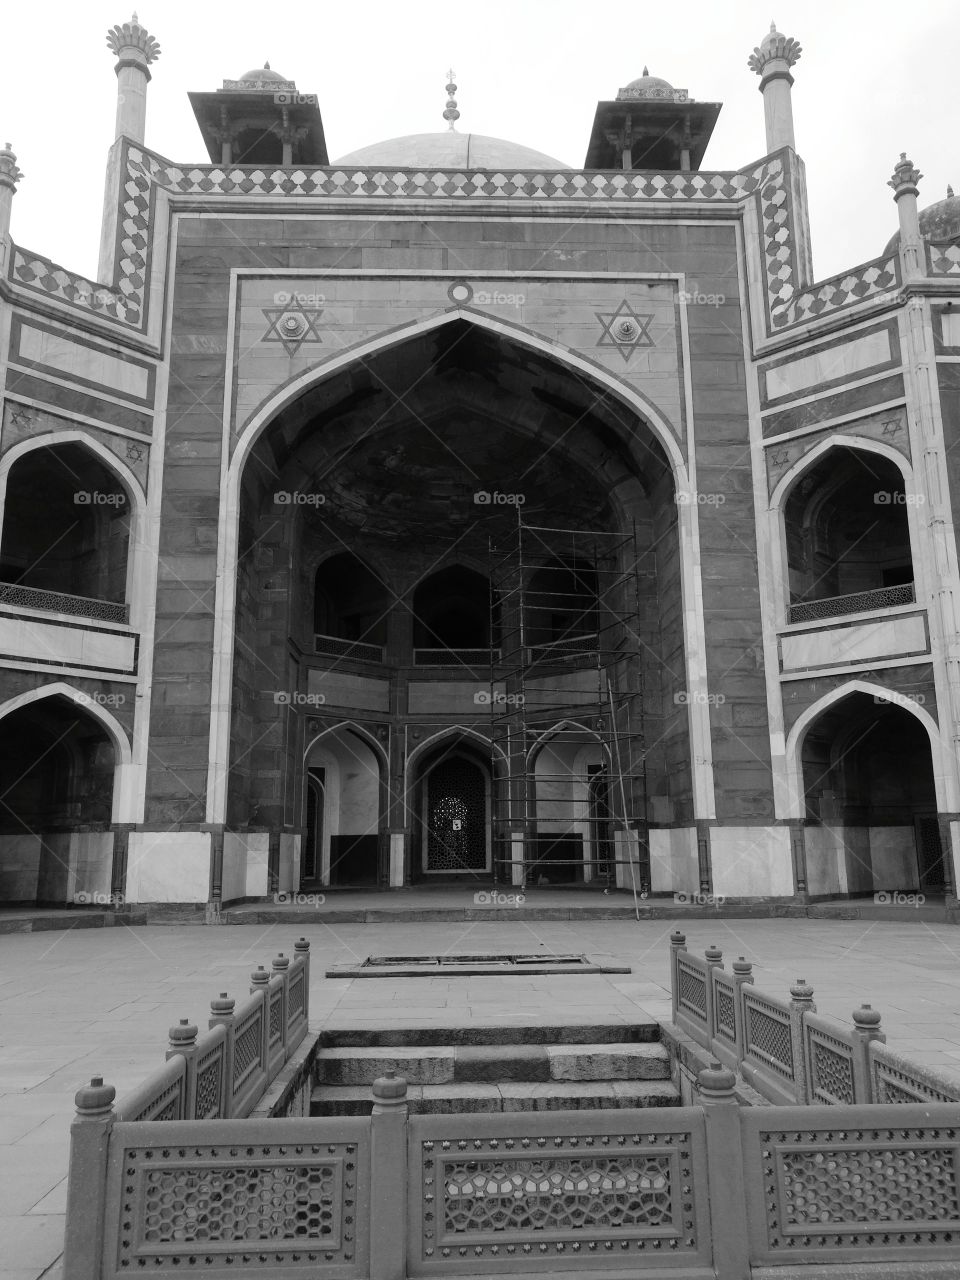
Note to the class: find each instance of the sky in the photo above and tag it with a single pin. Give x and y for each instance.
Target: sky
(875, 78)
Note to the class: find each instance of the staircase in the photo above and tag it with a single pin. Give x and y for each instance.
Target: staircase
(496, 1069)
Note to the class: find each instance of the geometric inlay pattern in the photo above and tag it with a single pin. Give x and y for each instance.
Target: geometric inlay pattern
(543, 1196)
(790, 299)
(247, 1048)
(725, 1011)
(769, 1036)
(624, 329)
(276, 1017)
(264, 1206)
(517, 1195)
(943, 259)
(210, 1086)
(891, 1084)
(831, 1063)
(292, 325)
(692, 991)
(835, 1183)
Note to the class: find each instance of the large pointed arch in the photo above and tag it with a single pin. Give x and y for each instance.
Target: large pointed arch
(232, 466)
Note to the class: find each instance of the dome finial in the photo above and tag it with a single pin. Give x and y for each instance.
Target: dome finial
(949, 188)
(646, 69)
(450, 112)
(266, 66)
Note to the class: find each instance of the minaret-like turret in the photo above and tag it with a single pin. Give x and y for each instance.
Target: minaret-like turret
(10, 175)
(772, 61)
(135, 49)
(904, 183)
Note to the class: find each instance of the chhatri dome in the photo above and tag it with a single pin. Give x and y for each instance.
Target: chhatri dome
(648, 85)
(938, 222)
(451, 149)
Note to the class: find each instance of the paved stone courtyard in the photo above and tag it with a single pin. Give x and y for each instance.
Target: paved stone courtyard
(81, 1002)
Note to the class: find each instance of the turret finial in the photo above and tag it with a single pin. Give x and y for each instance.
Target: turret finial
(450, 112)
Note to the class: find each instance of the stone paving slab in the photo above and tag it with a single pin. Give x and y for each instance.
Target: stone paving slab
(79, 1002)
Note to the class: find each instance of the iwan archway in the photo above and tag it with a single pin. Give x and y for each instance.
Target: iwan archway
(415, 467)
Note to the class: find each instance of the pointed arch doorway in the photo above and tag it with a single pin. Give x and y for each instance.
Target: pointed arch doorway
(453, 808)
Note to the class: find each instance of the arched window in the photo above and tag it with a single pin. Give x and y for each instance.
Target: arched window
(848, 537)
(66, 525)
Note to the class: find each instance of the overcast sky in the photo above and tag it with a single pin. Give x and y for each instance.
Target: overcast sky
(875, 78)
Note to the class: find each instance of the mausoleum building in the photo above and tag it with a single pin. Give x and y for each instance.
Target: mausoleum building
(446, 513)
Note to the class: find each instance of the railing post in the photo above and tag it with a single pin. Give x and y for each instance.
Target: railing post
(87, 1181)
(302, 948)
(281, 965)
(388, 1179)
(678, 942)
(221, 1015)
(801, 1002)
(866, 1027)
(183, 1040)
(742, 973)
(260, 981)
(725, 1173)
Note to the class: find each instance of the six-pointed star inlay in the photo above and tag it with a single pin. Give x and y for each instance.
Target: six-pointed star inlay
(292, 325)
(624, 329)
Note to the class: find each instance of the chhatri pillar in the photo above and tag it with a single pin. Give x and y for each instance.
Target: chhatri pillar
(772, 61)
(135, 50)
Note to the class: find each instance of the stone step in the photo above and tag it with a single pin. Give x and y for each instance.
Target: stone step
(494, 1064)
(452, 1099)
(587, 1033)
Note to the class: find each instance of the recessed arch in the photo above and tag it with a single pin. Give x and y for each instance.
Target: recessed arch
(948, 799)
(834, 441)
(137, 547)
(111, 724)
(574, 726)
(809, 566)
(354, 727)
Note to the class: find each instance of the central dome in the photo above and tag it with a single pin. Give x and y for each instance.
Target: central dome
(450, 150)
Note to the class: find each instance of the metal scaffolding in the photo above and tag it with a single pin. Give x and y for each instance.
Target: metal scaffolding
(566, 709)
